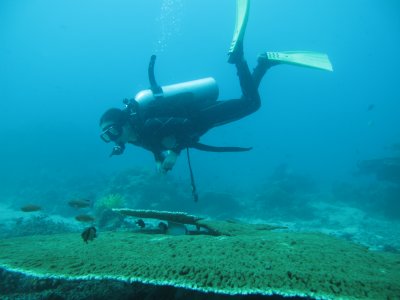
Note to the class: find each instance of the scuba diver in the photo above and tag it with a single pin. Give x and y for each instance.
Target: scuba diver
(168, 119)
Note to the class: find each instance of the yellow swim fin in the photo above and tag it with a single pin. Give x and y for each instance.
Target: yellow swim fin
(309, 59)
(242, 15)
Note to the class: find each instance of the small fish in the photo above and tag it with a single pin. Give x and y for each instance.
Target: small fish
(89, 234)
(140, 223)
(84, 218)
(163, 227)
(30, 208)
(79, 203)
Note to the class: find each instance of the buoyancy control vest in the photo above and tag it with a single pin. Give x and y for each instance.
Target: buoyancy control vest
(177, 100)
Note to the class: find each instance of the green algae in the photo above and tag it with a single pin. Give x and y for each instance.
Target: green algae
(266, 263)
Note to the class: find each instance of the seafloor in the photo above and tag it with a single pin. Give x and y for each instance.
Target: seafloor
(362, 213)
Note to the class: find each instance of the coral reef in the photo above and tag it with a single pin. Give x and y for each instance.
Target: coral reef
(177, 217)
(18, 286)
(379, 196)
(231, 228)
(220, 204)
(110, 201)
(148, 190)
(285, 194)
(376, 198)
(213, 227)
(386, 169)
(264, 262)
(37, 224)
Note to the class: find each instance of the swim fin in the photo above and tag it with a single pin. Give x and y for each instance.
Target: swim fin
(242, 14)
(309, 59)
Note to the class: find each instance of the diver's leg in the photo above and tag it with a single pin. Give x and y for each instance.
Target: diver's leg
(248, 86)
(236, 56)
(222, 112)
(263, 64)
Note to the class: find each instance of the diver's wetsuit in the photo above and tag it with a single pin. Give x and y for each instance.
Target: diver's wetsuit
(222, 112)
(187, 122)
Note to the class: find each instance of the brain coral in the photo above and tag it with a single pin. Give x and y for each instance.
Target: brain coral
(303, 264)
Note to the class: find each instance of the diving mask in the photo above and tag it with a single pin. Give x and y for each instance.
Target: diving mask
(111, 133)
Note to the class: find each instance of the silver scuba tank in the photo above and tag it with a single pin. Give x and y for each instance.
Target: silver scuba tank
(195, 94)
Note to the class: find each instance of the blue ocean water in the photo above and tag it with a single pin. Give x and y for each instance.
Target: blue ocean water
(63, 63)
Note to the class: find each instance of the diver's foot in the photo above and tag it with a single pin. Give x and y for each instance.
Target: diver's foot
(236, 54)
(264, 61)
(263, 64)
(263, 57)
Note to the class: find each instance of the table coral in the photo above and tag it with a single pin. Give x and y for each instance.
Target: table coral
(265, 262)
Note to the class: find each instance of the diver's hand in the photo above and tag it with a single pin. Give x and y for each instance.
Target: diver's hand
(169, 161)
(118, 149)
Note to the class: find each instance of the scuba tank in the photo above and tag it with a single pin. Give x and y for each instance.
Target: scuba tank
(191, 95)
(201, 91)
